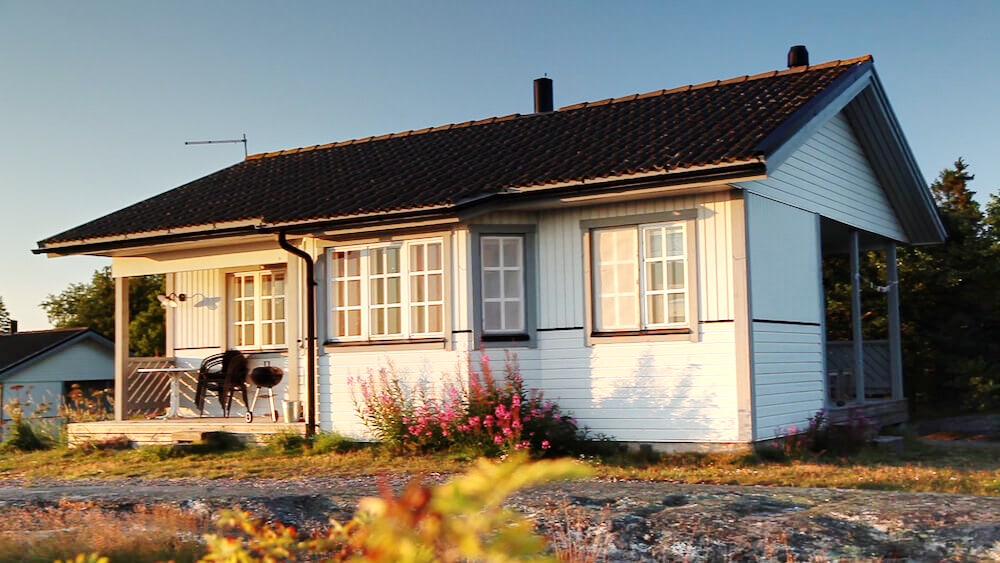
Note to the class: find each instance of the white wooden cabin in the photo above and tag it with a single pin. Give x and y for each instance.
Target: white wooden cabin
(653, 262)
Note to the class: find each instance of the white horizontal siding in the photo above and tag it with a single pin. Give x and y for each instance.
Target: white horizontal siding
(784, 261)
(788, 376)
(830, 175)
(675, 391)
(338, 366)
(42, 380)
(80, 361)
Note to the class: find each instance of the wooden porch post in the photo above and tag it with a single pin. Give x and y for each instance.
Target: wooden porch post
(895, 333)
(121, 347)
(856, 338)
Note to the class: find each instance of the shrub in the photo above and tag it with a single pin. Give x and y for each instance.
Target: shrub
(480, 414)
(26, 432)
(462, 520)
(287, 442)
(81, 407)
(332, 442)
(822, 437)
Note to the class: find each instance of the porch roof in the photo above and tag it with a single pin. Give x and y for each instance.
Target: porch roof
(717, 130)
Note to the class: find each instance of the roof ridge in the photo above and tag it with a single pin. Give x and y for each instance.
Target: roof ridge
(49, 330)
(580, 105)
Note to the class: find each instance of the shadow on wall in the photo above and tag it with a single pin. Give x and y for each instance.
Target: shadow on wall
(674, 401)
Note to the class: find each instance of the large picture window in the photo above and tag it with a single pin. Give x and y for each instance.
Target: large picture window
(392, 291)
(640, 277)
(257, 309)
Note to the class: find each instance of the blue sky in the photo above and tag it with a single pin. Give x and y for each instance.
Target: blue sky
(97, 98)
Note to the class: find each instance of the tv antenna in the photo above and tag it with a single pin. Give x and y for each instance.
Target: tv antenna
(243, 140)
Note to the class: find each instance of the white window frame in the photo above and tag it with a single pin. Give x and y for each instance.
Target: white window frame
(276, 325)
(410, 278)
(644, 326)
(511, 290)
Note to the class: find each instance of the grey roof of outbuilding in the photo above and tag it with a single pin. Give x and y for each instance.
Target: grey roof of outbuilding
(21, 347)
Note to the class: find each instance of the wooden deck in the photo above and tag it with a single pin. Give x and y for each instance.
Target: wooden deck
(882, 413)
(178, 430)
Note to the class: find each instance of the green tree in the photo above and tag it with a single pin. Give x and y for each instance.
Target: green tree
(93, 305)
(949, 304)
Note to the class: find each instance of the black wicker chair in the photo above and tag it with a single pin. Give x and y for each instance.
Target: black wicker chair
(224, 374)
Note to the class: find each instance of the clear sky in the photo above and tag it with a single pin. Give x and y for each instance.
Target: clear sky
(98, 97)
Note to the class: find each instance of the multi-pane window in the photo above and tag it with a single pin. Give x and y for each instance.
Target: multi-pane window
(640, 277)
(502, 264)
(257, 309)
(387, 291)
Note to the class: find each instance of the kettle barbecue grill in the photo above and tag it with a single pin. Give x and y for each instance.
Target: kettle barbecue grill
(265, 377)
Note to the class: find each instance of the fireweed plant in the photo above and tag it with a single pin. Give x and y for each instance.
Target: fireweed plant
(479, 413)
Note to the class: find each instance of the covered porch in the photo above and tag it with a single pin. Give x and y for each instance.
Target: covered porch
(152, 417)
(864, 376)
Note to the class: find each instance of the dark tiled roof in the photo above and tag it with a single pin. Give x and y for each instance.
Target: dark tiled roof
(22, 346)
(709, 124)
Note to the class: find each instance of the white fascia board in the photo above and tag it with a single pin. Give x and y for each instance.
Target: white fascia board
(780, 154)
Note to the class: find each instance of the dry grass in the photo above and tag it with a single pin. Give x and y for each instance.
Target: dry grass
(946, 468)
(920, 468)
(61, 532)
(576, 537)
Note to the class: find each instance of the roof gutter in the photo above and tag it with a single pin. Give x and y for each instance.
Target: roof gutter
(310, 330)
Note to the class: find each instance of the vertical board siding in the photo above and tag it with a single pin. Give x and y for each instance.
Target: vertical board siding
(788, 376)
(560, 254)
(784, 259)
(830, 175)
(198, 319)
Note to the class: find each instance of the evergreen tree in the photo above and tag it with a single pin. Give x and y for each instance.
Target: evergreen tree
(93, 305)
(949, 303)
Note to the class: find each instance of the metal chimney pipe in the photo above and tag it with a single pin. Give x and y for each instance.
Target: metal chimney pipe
(798, 56)
(543, 95)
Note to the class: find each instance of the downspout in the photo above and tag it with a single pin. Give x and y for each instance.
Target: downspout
(310, 331)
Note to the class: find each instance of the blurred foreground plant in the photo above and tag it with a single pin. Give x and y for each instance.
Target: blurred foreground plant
(462, 520)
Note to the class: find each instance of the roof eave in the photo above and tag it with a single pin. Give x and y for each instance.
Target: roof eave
(737, 170)
(860, 95)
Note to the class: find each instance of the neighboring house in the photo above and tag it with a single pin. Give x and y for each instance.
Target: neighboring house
(654, 261)
(42, 367)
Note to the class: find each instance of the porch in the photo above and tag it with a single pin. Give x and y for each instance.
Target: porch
(178, 430)
(880, 400)
(148, 393)
(864, 371)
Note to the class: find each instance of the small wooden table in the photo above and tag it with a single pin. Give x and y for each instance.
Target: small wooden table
(175, 386)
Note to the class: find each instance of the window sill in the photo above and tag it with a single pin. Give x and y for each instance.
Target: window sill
(657, 335)
(402, 343)
(249, 352)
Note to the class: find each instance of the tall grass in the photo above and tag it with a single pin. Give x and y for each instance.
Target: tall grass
(147, 533)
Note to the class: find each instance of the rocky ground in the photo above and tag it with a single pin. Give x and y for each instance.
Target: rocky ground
(606, 520)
